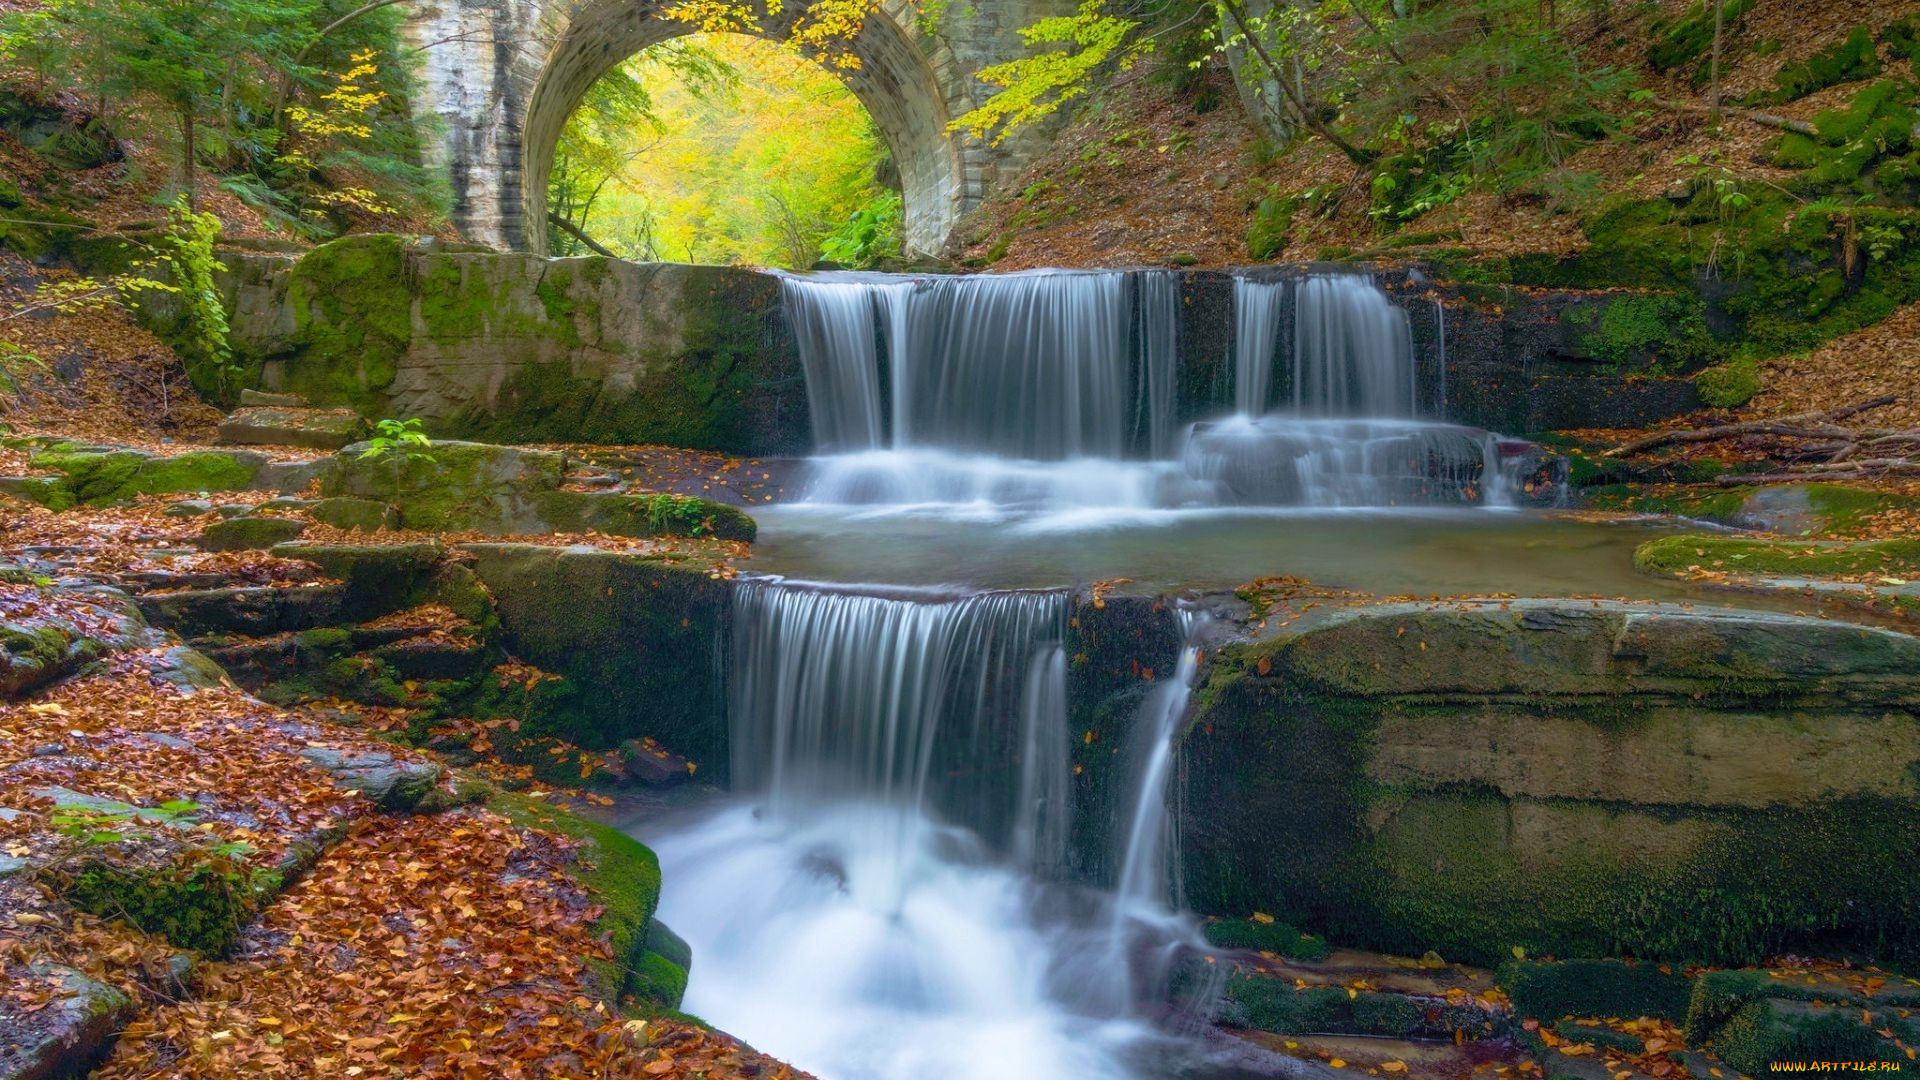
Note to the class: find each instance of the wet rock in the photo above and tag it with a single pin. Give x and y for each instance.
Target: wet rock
(389, 782)
(250, 533)
(68, 1037)
(654, 765)
(458, 486)
(1569, 777)
(255, 610)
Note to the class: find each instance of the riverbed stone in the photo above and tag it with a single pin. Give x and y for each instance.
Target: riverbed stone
(389, 782)
(1572, 777)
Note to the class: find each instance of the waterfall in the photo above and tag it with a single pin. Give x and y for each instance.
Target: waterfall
(890, 902)
(1159, 301)
(1029, 366)
(1352, 349)
(1056, 392)
(833, 322)
(1258, 307)
(905, 700)
(1148, 862)
(1286, 461)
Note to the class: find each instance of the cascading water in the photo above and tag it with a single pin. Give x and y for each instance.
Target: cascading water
(887, 905)
(1058, 392)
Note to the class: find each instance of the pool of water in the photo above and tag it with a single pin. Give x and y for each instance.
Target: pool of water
(1448, 552)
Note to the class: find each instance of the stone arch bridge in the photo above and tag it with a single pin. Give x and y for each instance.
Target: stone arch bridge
(504, 75)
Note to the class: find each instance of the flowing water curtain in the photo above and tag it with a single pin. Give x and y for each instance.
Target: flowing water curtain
(1352, 349)
(950, 706)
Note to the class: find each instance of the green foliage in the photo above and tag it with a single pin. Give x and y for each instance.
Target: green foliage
(757, 157)
(617, 122)
(197, 899)
(1850, 60)
(402, 437)
(1035, 87)
(1549, 991)
(1272, 225)
(1691, 35)
(870, 235)
(1269, 936)
(1729, 385)
(224, 73)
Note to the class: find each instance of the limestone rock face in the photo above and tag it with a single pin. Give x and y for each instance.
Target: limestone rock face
(1578, 778)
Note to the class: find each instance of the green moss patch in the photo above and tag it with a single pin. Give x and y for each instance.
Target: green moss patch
(198, 906)
(98, 476)
(1682, 555)
(1590, 988)
(1270, 936)
(623, 876)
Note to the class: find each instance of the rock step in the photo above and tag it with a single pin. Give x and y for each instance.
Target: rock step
(276, 425)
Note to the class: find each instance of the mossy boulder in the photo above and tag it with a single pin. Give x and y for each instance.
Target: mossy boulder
(455, 486)
(635, 635)
(1574, 779)
(520, 348)
(645, 515)
(102, 475)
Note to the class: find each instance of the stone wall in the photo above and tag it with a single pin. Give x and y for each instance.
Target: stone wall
(1573, 778)
(517, 348)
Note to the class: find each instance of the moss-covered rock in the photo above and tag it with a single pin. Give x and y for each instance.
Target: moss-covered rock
(250, 533)
(457, 486)
(644, 515)
(1270, 935)
(1595, 988)
(634, 635)
(518, 348)
(102, 475)
(623, 876)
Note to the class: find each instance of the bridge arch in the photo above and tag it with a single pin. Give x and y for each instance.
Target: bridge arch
(504, 76)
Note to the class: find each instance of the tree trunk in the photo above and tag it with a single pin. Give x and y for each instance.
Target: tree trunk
(1713, 75)
(188, 151)
(1274, 71)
